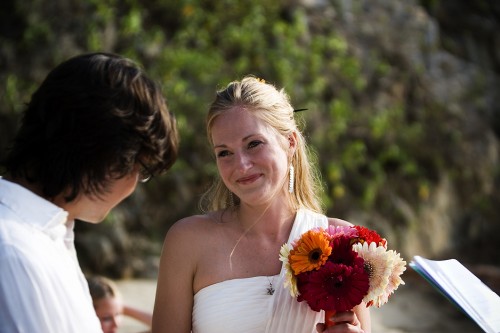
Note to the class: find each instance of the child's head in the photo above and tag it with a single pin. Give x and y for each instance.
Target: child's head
(107, 302)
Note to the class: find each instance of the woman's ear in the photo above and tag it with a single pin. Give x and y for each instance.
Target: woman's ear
(292, 143)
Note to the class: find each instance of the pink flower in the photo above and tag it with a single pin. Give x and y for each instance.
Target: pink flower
(334, 231)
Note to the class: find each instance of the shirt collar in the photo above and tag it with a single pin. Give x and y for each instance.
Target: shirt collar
(34, 210)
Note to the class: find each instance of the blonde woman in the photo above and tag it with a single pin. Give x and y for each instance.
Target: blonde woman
(220, 272)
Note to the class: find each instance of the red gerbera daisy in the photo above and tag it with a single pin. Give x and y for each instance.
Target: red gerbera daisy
(334, 287)
(342, 252)
(368, 235)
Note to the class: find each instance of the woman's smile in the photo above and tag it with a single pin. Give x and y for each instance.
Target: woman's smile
(249, 179)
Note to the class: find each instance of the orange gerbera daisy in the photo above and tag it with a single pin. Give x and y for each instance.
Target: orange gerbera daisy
(310, 252)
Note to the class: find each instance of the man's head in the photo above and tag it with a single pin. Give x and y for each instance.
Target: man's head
(95, 118)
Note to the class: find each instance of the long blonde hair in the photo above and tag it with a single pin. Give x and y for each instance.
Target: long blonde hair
(272, 106)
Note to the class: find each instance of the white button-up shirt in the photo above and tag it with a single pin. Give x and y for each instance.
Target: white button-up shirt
(42, 288)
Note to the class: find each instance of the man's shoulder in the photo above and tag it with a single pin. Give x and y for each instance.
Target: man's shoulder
(12, 229)
(19, 242)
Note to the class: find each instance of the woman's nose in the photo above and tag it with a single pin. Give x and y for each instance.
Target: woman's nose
(243, 161)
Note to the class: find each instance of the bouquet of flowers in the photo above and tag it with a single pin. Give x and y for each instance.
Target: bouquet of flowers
(336, 269)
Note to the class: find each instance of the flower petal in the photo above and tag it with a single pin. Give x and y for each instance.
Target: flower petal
(310, 251)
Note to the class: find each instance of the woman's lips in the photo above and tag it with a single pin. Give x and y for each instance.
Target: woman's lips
(249, 179)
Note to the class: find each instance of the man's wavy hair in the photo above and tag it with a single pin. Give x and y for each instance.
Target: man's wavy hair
(92, 120)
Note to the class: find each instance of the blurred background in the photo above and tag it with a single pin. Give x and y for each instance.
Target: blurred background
(402, 96)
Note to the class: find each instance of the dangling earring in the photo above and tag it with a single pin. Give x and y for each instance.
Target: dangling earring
(292, 179)
(231, 199)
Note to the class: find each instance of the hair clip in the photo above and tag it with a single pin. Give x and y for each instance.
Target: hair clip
(260, 80)
(298, 110)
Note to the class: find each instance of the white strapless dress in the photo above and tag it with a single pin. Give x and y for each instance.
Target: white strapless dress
(244, 305)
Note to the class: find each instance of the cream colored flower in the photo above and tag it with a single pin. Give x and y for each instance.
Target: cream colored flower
(399, 266)
(379, 264)
(290, 280)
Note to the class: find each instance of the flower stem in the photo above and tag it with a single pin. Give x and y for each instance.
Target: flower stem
(328, 315)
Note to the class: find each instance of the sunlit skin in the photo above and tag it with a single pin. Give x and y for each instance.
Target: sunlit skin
(109, 310)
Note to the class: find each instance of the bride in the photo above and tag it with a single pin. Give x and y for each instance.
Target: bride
(220, 272)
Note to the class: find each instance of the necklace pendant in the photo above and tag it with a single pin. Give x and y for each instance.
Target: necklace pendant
(270, 289)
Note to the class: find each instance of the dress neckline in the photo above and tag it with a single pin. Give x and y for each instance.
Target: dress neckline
(259, 277)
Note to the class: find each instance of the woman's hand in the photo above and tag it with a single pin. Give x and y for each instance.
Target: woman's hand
(344, 322)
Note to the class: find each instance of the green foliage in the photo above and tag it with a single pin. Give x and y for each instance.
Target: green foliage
(193, 47)
(369, 120)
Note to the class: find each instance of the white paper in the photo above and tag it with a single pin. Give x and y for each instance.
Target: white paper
(462, 288)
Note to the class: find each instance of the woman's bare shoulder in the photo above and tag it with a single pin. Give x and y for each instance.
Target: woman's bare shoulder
(188, 236)
(192, 226)
(194, 220)
(338, 222)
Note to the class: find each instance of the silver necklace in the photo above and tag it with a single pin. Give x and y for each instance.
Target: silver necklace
(270, 289)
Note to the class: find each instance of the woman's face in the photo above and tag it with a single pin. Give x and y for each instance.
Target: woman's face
(109, 310)
(251, 157)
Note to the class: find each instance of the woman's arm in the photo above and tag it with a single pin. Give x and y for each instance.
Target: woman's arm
(174, 292)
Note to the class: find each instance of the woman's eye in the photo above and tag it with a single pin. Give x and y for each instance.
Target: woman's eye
(254, 144)
(222, 153)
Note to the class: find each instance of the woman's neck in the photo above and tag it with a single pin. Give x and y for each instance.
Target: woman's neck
(271, 220)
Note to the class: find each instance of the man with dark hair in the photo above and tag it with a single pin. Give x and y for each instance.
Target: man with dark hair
(95, 127)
